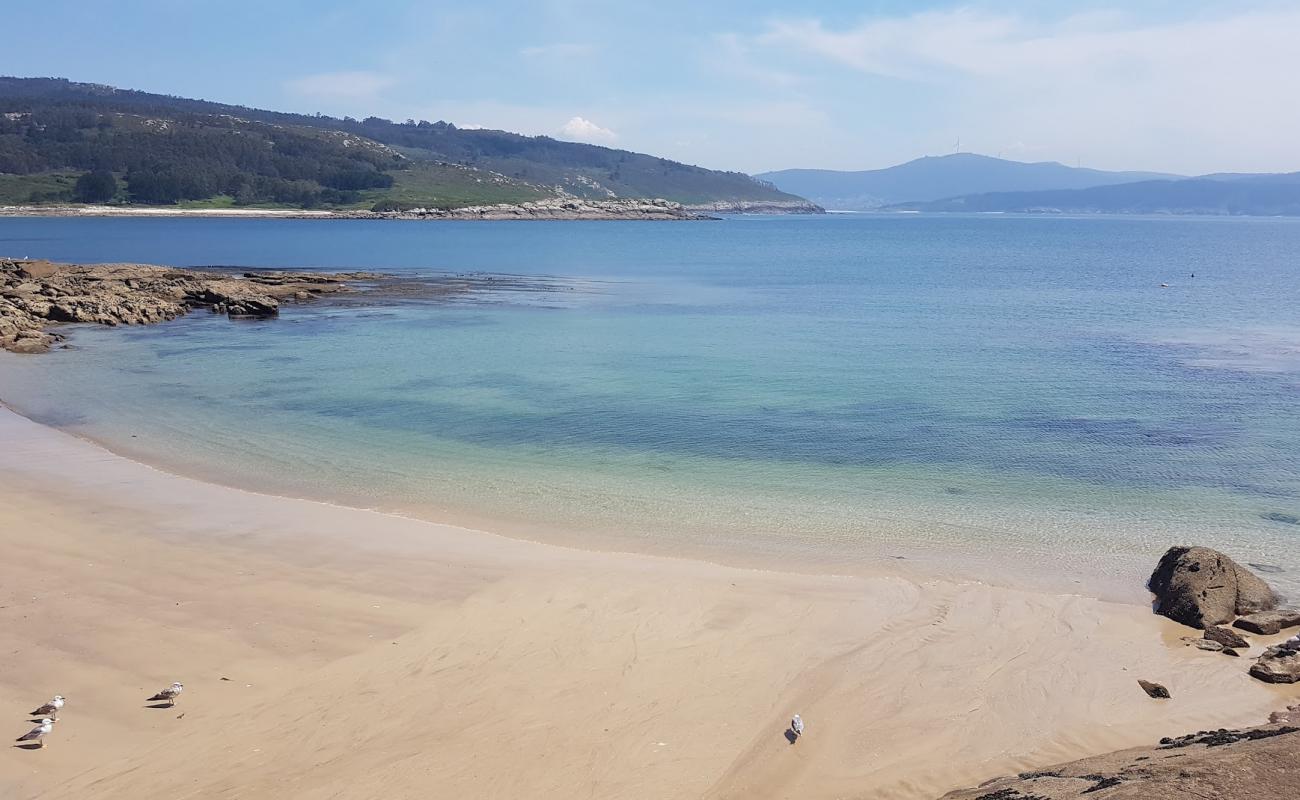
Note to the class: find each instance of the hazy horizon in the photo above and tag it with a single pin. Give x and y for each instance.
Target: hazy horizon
(1188, 88)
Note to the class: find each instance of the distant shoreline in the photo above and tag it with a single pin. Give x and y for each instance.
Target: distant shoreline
(646, 210)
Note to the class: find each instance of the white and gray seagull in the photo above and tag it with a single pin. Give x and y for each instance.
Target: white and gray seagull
(169, 694)
(796, 725)
(51, 708)
(37, 734)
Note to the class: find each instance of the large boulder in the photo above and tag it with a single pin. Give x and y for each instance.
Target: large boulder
(1201, 587)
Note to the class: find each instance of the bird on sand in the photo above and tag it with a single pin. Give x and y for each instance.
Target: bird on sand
(50, 709)
(169, 694)
(37, 734)
(796, 725)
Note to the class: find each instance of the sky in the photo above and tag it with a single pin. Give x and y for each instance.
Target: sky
(1190, 87)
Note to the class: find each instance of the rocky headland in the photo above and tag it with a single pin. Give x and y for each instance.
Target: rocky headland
(37, 296)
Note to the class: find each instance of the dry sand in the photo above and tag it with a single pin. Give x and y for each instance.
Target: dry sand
(373, 656)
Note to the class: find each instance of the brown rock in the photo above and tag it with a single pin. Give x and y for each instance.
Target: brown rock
(1268, 623)
(36, 294)
(1201, 587)
(1154, 690)
(1251, 764)
(1226, 637)
(1280, 664)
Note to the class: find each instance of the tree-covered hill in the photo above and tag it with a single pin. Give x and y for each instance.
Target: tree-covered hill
(162, 149)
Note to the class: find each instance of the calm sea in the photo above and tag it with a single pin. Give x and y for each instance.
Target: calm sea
(971, 391)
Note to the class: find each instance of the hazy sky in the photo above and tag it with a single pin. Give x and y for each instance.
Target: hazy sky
(1184, 86)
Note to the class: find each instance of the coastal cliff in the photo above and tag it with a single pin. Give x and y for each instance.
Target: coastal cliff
(35, 295)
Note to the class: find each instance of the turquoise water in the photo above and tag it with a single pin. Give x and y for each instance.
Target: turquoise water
(838, 389)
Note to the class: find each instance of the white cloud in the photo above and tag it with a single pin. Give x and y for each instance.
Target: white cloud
(584, 130)
(358, 85)
(1210, 88)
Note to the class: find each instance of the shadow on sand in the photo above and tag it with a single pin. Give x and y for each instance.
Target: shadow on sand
(791, 736)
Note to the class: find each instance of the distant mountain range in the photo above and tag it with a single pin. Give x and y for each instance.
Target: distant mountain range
(939, 177)
(62, 141)
(975, 183)
(1254, 195)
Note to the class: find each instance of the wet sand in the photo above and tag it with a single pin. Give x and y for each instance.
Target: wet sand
(369, 655)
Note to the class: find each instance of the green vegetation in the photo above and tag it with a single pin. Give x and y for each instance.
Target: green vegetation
(436, 185)
(96, 186)
(41, 187)
(169, 150)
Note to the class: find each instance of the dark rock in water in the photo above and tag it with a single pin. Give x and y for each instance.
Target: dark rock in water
(1280, 664)
(1278, 516)
(1268, 623)
(1228, 651)
(35, 295)
(1226, 637)
(1201, 587)
(1203, 644)
(1154, 689)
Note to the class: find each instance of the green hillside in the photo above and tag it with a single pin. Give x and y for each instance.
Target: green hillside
(74, 142)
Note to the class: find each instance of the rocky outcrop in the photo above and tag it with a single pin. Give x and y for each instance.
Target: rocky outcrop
(1250, 764)
(1201, 587)
(757, 207)
(559, 208)
(1279, 664)
(1154, 690)
(556, 209)
(36, 295)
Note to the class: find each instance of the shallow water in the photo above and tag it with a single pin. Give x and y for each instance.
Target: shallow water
(990, 390)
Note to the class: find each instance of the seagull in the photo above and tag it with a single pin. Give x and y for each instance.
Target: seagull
(37, 734)
(796, 725)
(51, 708)
(169, 694)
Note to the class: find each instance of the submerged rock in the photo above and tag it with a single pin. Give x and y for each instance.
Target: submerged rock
(1201, 587)
(1154, 690)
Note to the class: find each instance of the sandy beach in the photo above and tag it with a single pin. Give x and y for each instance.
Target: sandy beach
(352, 654)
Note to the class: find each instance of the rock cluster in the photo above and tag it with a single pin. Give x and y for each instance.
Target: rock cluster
(1201, 587)
(556, 209)
(35, 295)
(1204, 588)
(757, 207)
